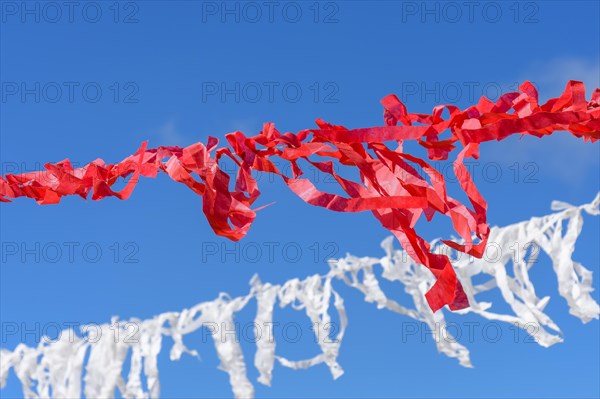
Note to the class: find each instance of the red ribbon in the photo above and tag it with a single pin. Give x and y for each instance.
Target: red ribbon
(389, 187)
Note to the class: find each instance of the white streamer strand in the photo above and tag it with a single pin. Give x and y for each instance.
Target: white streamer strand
(55, 368)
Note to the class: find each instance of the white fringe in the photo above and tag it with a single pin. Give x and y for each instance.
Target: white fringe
(56, 368)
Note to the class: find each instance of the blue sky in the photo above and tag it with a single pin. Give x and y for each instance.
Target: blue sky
(97, 80)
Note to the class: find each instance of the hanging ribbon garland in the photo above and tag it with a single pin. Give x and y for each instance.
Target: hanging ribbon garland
(390, 187)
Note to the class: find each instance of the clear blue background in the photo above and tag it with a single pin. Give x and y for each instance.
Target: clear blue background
(368, 50)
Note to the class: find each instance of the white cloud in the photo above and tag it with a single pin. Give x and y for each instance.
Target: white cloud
(551, 76)
(169, 134)
(561, 155)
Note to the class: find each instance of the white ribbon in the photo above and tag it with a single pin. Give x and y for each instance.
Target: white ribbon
(55, 369)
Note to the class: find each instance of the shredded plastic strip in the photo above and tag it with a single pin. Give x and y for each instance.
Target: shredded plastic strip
(390, 187)
(56, 368)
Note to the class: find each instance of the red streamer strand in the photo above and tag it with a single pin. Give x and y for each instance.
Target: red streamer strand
(393, 190)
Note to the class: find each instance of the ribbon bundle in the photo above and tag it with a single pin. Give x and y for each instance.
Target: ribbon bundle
(390, 186)
(61, 368)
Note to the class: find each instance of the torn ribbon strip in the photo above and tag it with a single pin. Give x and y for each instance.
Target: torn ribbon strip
(56, 369)
(390, 186)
